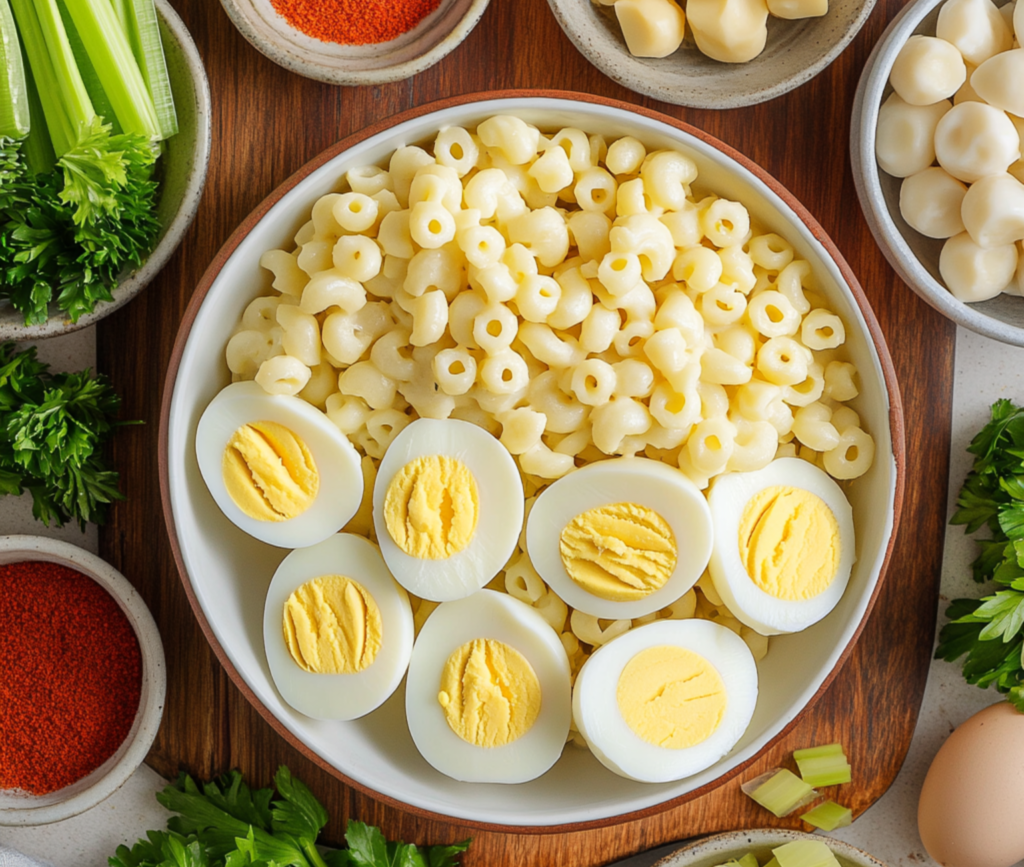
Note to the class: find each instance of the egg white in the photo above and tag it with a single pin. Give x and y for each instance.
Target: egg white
(337, 462)
(596, 711)
(339, 696)
(761, 611)
(621, 480)
(500, 490)
(488, 614)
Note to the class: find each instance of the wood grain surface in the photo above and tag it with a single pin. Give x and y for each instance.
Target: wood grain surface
(266, 124)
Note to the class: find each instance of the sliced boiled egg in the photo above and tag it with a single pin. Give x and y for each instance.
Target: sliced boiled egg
(488, 694)
(447, 507)
(337, 628)
(277, 467)
(620, 538)
(784, 545)
(666, 700)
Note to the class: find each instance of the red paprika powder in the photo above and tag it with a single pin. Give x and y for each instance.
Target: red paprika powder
(70, 676)
(354, 22)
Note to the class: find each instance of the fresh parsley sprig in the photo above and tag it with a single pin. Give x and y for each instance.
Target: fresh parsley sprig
(54, 428)
(989, 632)
(224, 823)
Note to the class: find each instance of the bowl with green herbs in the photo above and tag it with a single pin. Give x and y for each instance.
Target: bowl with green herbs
(104, 146)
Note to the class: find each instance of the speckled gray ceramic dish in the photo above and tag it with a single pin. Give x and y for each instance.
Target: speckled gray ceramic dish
(184, 174)
(796, 52)
(408, 55)
(913, 256)
(722, 847)
(22, 809)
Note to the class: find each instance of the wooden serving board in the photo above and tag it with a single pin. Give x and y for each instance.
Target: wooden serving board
(266, 123)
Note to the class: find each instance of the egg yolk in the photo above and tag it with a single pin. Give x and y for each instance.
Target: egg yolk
(269, 472)
(671, 697)
(489, 692)
(789, 543)
(431, 507)
(621, 552)
(332, 626)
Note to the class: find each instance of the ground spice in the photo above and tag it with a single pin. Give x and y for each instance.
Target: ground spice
(354, 22)
(70, 676)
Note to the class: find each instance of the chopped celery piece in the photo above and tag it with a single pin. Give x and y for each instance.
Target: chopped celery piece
(94, 87)
(773, 863)
(111, 55)
(805, 853)
(780, 793)
(14, 108)
(823, 766)
(819, 752)
(62, 131)
(829, 816)
(748, 860)
(143, 30)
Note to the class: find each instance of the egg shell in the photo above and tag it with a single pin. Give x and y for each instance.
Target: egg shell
(488, 614)
(970, 812)
(500, 490)
(748, 603)
(337, 461)
(596, 710)
(621, 480)
(339, 696)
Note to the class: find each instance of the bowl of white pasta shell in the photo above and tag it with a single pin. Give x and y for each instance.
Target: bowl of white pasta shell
(226, 572)
(914, 256)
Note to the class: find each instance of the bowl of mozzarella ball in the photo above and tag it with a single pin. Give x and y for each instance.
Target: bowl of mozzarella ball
(711, 53)
(531, 460)
(937, 161)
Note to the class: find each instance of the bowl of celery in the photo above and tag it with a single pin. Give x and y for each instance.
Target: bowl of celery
(770, 847)
(104, 146)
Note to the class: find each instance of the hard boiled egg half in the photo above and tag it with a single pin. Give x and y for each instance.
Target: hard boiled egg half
(277, 467)
(620, 538)
(784, 545)
(666, 700)
(447, 507)
(337, 628)
(488, 694)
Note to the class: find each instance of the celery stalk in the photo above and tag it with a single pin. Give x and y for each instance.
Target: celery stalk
(70, 87)
(143, 30)
(121, 10)
(37, 149)
(62, 132)
(829, 816)
(805, 853)
(93, 85)
(111, 55)
(779, 793)
(15, 121)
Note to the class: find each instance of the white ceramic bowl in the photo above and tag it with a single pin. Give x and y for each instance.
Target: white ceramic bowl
(183, 167)
(914, 257)
(22, 809)
(226, 573)
(722, 847)
(403, 57)
(796, 52)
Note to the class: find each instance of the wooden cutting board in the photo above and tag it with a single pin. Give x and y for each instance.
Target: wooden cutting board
(266, 123)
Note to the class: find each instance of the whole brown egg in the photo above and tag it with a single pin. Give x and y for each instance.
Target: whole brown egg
(971, 812)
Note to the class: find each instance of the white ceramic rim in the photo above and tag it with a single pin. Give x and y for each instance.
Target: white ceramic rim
(175, 233)
(867, 182)
(177, 413)
(154, 676)
(736, 843)
(620, 69)
(283, 55)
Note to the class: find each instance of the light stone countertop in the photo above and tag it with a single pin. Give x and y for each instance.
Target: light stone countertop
(985, 371)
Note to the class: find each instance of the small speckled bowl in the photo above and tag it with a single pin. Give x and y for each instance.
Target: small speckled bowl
(184, 164)
(724, 847)
(914, 257)
(17, 808)
(408, 55)
(796, 52)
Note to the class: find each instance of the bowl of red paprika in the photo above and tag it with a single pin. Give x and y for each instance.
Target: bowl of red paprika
(355, 42)
(82, 681)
